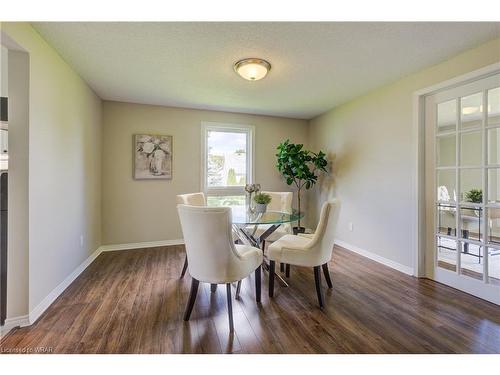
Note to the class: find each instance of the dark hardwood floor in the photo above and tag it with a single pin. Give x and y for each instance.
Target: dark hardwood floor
(133, 301)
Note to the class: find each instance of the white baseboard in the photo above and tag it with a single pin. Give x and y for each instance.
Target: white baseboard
(26, 320)
(19, 321)
(141, 245)
(377, 258)
(47, 301)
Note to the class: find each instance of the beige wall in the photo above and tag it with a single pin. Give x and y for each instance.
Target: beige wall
(65, 166)
(370, 141)
(4, 81)
(18, 210)
(136, 211)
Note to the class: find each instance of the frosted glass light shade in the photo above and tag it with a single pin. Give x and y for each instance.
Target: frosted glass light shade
(252, 69)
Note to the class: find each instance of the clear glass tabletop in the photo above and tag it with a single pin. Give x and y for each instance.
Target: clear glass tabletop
(242, 216)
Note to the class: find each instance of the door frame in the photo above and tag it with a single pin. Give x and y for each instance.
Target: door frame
(418, 186)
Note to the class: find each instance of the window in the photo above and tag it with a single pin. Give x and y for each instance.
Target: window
(227, 162)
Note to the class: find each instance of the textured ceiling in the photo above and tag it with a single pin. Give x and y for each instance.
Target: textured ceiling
(315, 66)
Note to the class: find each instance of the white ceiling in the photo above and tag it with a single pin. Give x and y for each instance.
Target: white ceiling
(315, 66)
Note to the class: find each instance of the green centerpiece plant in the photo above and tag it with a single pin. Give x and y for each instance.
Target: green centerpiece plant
(262, 200)
(300, 167)
(474, 196)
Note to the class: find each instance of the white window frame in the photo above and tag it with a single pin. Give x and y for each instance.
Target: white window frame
(249, 130)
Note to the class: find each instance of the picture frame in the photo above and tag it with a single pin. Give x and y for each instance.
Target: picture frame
(152, 158)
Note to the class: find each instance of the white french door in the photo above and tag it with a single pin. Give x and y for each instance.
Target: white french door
(462, 174)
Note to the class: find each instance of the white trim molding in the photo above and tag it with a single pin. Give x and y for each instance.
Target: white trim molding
(47, 301)
(11, 323)
(35, 314)
(141, 245)
(375, 257)
(57, 291)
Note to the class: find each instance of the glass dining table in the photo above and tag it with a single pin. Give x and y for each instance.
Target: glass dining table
(246, 223)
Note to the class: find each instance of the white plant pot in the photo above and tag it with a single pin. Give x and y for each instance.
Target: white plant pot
(260, 208)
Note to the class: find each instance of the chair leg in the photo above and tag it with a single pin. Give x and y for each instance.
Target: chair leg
(317, 281)
(282, 267)
(327, 275)
(184, 267)
(192, 298)
(287, 272)
(257, 284)
(263, 245)
(213, 288)
(272, 266)
(238, 288)
(229, 307)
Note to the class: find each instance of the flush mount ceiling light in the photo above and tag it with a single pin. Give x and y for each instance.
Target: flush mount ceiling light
(252, 69)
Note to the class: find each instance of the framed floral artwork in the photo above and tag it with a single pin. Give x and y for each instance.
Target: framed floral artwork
(152, 157)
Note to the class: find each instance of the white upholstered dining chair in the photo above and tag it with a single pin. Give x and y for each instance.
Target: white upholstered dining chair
(308, 250)
(192, 199)
(212, 254)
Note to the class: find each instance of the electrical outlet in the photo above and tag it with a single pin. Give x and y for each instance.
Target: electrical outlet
(351, 227)
(81, 241)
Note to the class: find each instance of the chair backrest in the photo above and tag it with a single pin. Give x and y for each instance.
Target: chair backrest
(194, 199)
(281, 201)
(324, 237)
(211, 253)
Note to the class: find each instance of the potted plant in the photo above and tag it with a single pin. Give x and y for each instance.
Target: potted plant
(299, 167)
(474, 196)
(261, 200)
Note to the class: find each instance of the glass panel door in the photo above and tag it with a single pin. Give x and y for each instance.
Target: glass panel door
(463, 187)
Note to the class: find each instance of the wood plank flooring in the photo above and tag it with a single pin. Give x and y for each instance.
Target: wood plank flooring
(133, 301)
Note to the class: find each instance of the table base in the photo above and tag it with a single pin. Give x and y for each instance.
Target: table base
(248, 237)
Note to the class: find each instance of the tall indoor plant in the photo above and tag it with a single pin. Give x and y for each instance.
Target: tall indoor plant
(299, 167)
